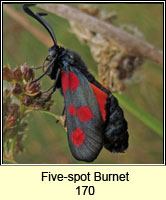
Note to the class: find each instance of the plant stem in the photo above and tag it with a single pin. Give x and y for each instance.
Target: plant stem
(134, 45)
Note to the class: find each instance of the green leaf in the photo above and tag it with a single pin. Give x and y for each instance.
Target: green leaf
(57, 117)
(143, 116)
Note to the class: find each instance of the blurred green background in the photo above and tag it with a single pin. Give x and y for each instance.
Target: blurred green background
(46, 140)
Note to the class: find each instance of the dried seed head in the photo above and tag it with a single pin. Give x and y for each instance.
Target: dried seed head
(17, 74)
(6, 102)
(10, 121)
(6, 93)
(32, 89)
(27, 72)
(91, 10)
(7, 74)
(115, 65)
(29, 97)
(13, 109)
(17, 89)
(128, 65)
(38, 105)
(27, 100)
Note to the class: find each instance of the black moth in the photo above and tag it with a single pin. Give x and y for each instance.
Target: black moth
(93, 116)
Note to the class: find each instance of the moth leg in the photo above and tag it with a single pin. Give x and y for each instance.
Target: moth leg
(45, 91)
(63, 117)
(48, 58)
(50, 65)
(63, 112)
(44, 65)
(54, 85)
(55, 82)
(35, 68)
(65, 122)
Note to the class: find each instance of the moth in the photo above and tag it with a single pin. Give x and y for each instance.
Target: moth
(93, 116)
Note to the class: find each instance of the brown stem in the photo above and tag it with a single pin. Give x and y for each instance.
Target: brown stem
(134, 45)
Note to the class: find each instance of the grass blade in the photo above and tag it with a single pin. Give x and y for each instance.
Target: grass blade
(143, 116)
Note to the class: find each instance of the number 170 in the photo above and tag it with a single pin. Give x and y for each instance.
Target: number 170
(86, 189)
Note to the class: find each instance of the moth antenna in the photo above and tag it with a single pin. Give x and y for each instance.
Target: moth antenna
(38, 17)
(42, 14)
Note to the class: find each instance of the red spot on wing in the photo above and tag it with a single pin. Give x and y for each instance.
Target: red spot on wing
(101, 98)
(78, 137)
(64, 81)
(72, 110)
(69, 81)
(73, 81)
(84, 113)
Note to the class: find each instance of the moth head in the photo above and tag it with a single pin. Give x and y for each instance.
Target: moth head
(53, 51)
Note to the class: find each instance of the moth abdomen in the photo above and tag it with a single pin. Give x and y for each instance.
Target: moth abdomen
(116, 134)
